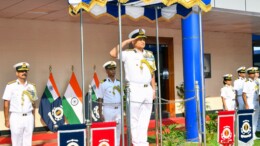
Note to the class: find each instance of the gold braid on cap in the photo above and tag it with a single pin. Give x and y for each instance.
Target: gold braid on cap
(151, 68)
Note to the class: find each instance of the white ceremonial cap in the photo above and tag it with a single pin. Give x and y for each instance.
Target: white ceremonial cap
(241, 69)
(227, 77)
(250, 70)
(109, 64)
(137, 33)
(21, 66)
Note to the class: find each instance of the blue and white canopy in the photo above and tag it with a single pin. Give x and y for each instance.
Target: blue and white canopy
(139, 8)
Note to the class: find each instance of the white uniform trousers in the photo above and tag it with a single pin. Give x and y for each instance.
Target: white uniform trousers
(113, 113)
(241, 104)
(254, 105)
(141, 97)
(258, 122)
(21, 126)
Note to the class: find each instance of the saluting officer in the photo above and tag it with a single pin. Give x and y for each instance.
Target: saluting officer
(139, 65)
(238, 86)
(19, 97)
(228, 93)
(110, 98)
(251, 96)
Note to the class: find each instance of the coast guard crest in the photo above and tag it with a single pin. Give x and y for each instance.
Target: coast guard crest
(104, 142)
(57, 112)
(244, 126)
(72, 142)
(226, 133)
(246, 129)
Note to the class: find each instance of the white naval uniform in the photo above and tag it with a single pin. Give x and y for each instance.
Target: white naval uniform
(258, 123)
(141, 93)
(251, 89)
(21, 98)
(228, 93)
(238, 86)
(110, 93)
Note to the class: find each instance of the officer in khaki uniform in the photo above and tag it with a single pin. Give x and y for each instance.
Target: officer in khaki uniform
(110, 98)
(227, 93)
(238, 86)
(251, 96)
(139, 65)
(19, 97)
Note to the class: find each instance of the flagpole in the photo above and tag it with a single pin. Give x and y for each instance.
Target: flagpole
(121, 73)
(83, 77)
(158, 74)
(82, 63)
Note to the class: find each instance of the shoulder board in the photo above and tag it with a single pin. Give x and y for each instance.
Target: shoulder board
(129, 49)
(11, 82)
(103, 81)
(149, 51)
(31, 83)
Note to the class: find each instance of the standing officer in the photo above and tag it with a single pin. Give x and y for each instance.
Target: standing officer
(19, 97)
(257, 80)
(251, 96)
(110, 98)
(238, 86)
(139, 65)
(227, 93)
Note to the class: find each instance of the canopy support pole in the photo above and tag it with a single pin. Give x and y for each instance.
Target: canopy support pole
(191, 71)
(158, 73)
(121, 73)
(202, 84)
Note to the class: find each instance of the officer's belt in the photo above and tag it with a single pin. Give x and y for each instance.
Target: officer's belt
(22, 114)
(139, 84)
(112, 106)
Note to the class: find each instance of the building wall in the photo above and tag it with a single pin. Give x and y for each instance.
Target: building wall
(44, 43)
(239, 5)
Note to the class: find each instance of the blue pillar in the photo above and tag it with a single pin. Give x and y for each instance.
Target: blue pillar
(191, 71)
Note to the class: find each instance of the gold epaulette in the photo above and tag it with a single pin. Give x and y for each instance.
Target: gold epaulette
(31, 83)
(149, 51)
(11, 82)
(103, 81)
(129, 49)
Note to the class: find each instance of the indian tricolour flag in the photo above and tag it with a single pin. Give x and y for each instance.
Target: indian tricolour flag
(95, 86)
(72, 102)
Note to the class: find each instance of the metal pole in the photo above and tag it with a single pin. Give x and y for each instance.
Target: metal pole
(198, 111)
(128, 104)
(90, 103)
(82, 74)
(121, 72)
(236, 128)
(158, 73)
(203, 81)
(82, 63)
(156, 117)
(89, 122)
